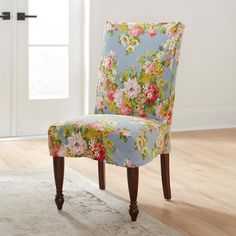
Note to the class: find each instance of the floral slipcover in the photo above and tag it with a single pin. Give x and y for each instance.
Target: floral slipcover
(135, 98)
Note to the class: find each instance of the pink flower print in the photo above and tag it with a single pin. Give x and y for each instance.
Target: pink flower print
(158, 111)
(123, 132)
(177, 55)
(125, 110)
(131, 88)
(111, 94)
(152, 33)
(108, 63)
(149, 67)
(76, 144)
(136, 30)
(169, 117)
(59, 151)
(142, 113)
(169, 62)
(100, 103)
(110, 26)
(117, 98)
(97, 126)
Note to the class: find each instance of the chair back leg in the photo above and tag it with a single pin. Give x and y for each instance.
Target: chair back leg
(101, 175)
(165, 175)
(132, 176)
(58, 166)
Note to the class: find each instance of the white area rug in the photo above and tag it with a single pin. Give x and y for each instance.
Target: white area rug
(27, 208)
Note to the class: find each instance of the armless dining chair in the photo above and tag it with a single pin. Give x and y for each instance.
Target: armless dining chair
(134, 105)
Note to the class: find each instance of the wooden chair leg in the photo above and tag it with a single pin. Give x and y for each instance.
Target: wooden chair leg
(58, 165)
(101, 175)
(165, 175)
(132, 176)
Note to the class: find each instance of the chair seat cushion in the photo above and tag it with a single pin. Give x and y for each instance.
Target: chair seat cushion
(116, 139)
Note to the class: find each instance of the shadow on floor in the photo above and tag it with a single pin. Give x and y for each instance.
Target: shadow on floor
(192, 219)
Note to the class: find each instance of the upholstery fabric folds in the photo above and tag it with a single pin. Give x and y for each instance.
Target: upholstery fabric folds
(135, 98)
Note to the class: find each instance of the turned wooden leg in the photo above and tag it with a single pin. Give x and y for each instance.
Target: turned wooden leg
(132, 176)
(165, 175)
(58, 165)
(101, 175)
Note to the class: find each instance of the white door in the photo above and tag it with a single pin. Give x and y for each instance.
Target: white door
(45, 68)
(5, 68)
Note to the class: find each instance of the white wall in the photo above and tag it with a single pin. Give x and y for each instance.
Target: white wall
(206, 79)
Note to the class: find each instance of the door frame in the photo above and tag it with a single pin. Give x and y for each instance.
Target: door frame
(13, 70)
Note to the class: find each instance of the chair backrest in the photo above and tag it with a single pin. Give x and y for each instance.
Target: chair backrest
(138, 69)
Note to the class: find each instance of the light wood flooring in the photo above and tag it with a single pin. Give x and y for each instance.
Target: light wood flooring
(203, 179)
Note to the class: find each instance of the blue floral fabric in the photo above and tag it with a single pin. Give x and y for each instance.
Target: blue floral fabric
(117, 139)
(135, 98)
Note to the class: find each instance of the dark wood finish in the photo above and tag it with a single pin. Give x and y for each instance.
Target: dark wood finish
(58, 165)
(132, 176)
(165, 175)
(101, 175)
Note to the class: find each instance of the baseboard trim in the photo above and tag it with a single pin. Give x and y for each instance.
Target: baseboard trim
(203, 119)
(199, 128)
(29, 137)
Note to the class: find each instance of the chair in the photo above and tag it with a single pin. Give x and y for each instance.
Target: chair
(134, 105)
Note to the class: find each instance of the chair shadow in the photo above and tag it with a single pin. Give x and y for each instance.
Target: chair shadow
(223, 223)
(76, 223)
(195, 217)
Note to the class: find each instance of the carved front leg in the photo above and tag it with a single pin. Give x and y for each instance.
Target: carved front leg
(132, 175)
(58, 165)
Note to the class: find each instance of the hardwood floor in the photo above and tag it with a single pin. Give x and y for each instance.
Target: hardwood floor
(203, 177)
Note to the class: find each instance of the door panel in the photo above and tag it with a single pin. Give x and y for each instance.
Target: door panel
(48, 64)
(5, 70)
(40, 65)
